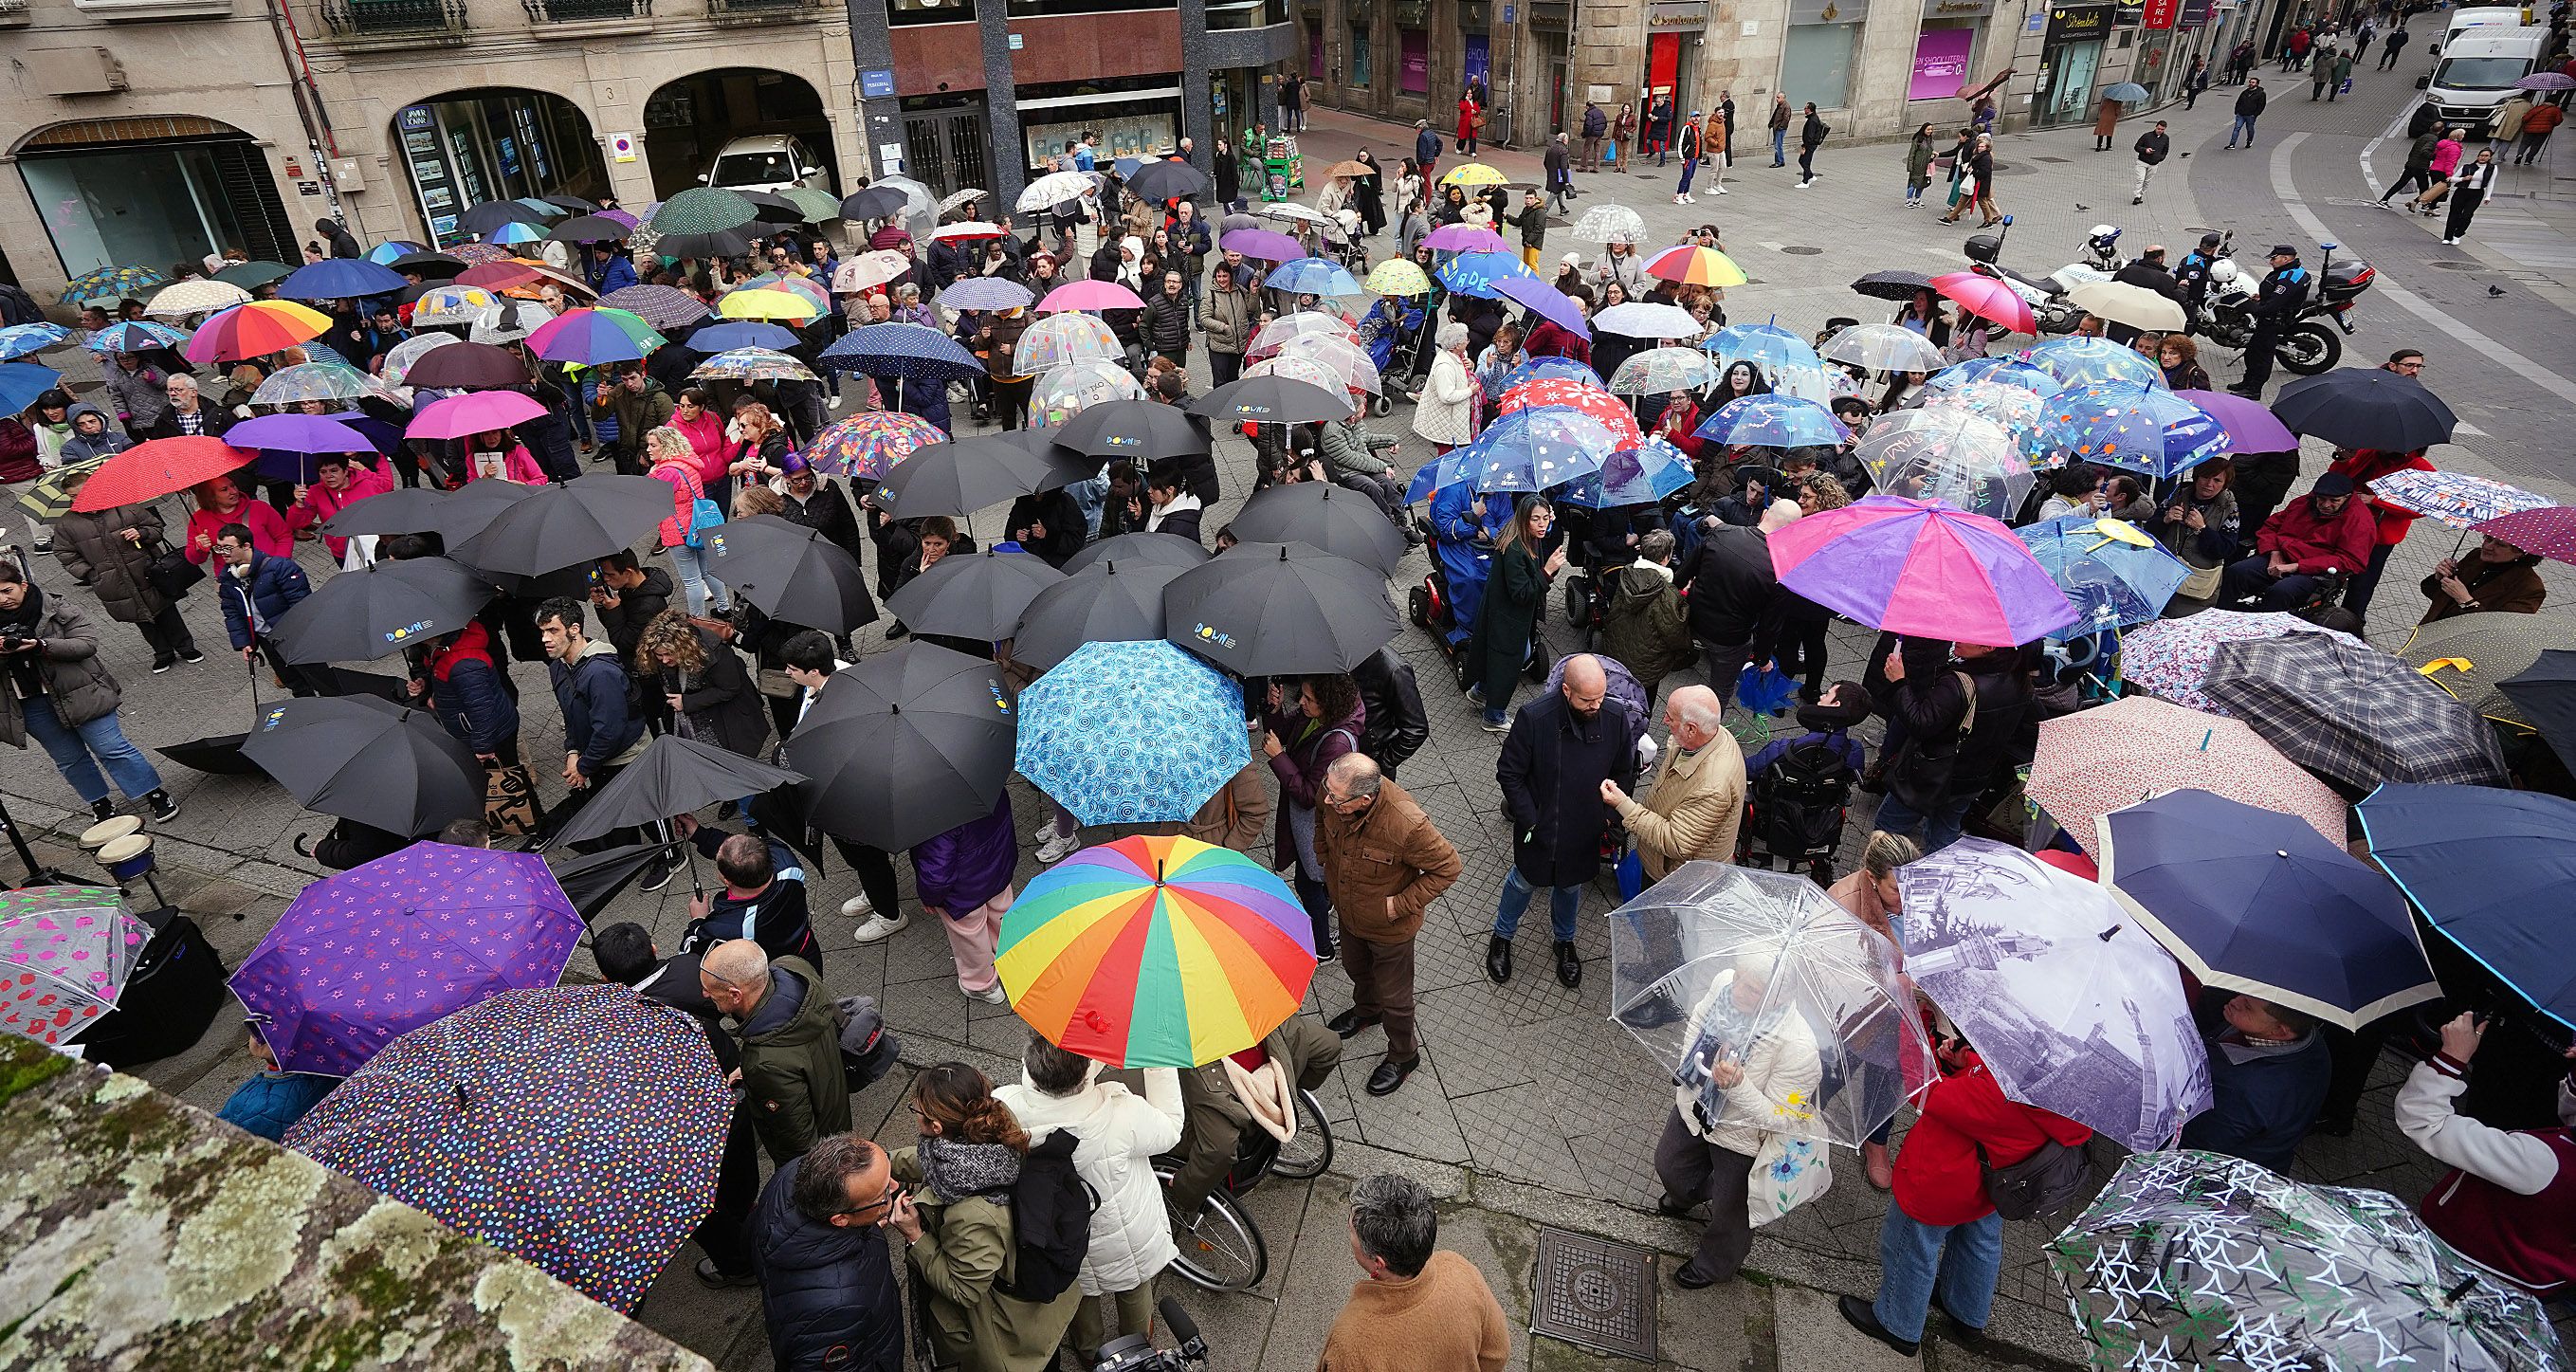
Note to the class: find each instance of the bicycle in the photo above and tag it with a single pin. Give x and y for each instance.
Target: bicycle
(1223, 1250)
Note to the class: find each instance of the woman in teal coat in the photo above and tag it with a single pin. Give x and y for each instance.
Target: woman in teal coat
(1515, 595)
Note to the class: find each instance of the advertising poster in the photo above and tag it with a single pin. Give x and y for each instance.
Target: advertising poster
(1940, 63)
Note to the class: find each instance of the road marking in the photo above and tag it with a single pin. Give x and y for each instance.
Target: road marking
(2368, 176)
(2288, 193)
(2465, 427)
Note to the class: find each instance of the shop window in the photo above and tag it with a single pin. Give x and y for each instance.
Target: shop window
(1816, 65)
(1034, 9)
(1359, 56)
(930, 11)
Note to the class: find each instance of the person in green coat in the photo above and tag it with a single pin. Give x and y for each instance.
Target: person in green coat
(1515, 595)
(1918, 167)
(2342, 75)
(955, 1217)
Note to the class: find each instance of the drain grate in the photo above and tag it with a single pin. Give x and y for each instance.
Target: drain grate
(1801, 250)
(1596, 1294)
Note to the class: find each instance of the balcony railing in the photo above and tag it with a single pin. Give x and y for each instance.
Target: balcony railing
(420, 21)
(757, 11)
(586, 11)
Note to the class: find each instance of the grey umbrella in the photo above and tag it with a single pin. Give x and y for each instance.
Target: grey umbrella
(1339, 521)
(973, 595)
(1107, 602)
(380, 610)
(1280, 609)
(367, 760)
(2352, 713)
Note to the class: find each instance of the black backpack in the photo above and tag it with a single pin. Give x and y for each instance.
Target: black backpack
(1800, 800)
(18, 307)
(1051, 1209)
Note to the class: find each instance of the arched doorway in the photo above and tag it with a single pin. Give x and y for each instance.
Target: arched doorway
(499, 143)
(690, 121)
(153, 191)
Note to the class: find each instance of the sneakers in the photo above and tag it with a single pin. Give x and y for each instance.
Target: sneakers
(162, 664)
(164, 809)
(104, 808)
(2137, 200)
(1059, 847)
(191, 656)
(658, 871)
(878, 928)
(1721, 190)
(1498, 726)
(990, 995)
(858, 906)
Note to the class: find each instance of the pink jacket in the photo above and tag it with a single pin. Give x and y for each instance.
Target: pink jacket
(320, 503)
(687, 489)
(2446, 156)
(706, 435)
(268, 533)
(517, 466)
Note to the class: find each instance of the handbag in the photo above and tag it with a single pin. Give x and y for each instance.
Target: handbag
(2202, 584)
(510, 800)
(2050, 1179)
(1787, 1173)
(171, 573)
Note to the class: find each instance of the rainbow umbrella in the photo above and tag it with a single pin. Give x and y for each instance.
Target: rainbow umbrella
(1688, 264)
(1923, 568)
(1156, 952)
(865, 447)
(594, 336)
(256, 330)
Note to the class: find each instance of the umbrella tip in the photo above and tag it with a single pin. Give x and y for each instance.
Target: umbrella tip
(2280, 852)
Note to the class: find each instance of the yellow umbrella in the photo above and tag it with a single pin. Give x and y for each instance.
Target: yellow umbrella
(1474, 174)
(766, 304)
(1395, 276)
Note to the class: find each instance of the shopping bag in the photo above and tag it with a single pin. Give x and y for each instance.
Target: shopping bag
(1611, 154)
(510, 800)
(1787, 1173)
(1631, 876)
(1765, 689)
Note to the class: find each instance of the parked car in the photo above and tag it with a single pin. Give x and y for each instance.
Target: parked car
(768, 162)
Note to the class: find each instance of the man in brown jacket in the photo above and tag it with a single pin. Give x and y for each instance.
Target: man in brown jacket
(1697, 801)
(1383, 865)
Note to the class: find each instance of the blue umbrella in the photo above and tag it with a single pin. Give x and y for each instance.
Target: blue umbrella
(2490, 868)
(724, 338)
(2091, 361)
(1476, 273)
(26, 340)
(384, 254)
(1553, 305)
(381, 436)
(2008, 371)
(913, 351)
(514, 233)
(1542, 368)
(1312, 276)
(2111, 581)
(1632, 476)
(1536, 447)
(1132, 733)
(137, 336)
(1439, 474)
(1773, 421)
(985, 293)
(2257, 901)
(2142, 428)
(1767, 346)
(340, 278)
(22, 382)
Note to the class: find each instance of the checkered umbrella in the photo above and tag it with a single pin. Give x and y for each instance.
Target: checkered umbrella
(2170, 658)
(703, 209)
(2353, 713)
(2471, 655)
(2192, 1259)
(2455, 498)
(663, 307)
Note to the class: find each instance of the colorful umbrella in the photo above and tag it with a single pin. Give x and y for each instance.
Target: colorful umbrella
(2142, 428)
(475, 412)
(1311, 276)
(2250, 427)
(663, 307)
(1536, 446)
(724, 338)
(331, 381)
(1552, 305)
(2044, 441)
(158, 467)
(452, 305)
(1922, 568)
(1947, 454)
(365, 955)
(2008, 371)
(1609, 224)
(1273, 336)
(1395, 276)
(2083, 361)
(916, 352)
(1156, 952)
(2549, 531)
(1066, 391)
(26, 340)
(66, 953)
(1587, 397)
(1641, 475)
(108, 281)
(470, 254)
(2171, 658)
(766, 303)
(1131, 732)
(1090, 295)
(2455, 498)
(45, 497)
(255, 330)
(1061, 338)
(1772, 421)
(577, 1127)
(754, 364)
(1474, 174)
(1987, 297)
(594, 336)
(194, 298)
(794, 283)
(2112, 572)
(1882, 348)
(2092, 762)
(2486, 866)
(864, 447)
(1262, 245)
(1662, 371)
(136, 336)
(512, 235)
(298, 432)
(2352, 713)
(1466, 238)
(1475, 273)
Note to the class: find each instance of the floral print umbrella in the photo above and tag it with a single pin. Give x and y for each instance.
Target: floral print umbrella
(65, 954)
(2044, 441)
(1606, 409)
(2140, 427)
(2169, 658)
(1132, 733)
(865, 447)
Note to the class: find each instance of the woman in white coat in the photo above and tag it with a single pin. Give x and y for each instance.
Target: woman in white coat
(1445, 408)
(1131, 1236)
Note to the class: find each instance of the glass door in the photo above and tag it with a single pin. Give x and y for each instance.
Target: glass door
(2068, 95)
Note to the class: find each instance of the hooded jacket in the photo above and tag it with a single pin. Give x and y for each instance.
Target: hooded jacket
(965, 867)
(1118, 1134)
(827, 1293)
(969, 1246)
(81, 448)
(465, 690)
(599, 729)
(791, 1063)
(75, 680)
(1644, 627)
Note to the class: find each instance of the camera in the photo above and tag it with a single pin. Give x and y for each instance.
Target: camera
(1137, 1353)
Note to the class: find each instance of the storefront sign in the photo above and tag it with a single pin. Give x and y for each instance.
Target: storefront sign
(1828, 11)
(1677, 14)
(1479, 58)
(1940, 63)
(2160, 14)
(2195, 14)
(2078, 23)
(1413, 62)
(1957, 9)
(2128, 12)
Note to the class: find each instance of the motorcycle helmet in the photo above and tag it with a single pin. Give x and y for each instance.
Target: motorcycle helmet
(2224, 273)
(2102, 237)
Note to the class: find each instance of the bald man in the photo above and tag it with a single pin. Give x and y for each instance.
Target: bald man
(1557, 755)
(1384, 862)
(792, 1080)
(1697, 802)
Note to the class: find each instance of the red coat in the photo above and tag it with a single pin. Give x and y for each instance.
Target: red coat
(2365, 465)
(2343, 543)
(1551, 339)
(268, 531)
(1937, 1180)
(1466, 118)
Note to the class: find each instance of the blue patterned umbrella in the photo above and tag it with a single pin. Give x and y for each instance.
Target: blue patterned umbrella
(137, 336)
(913, 351)
(1544, 368)
(1632, 476)
(2142, 428)
(340, 278)
(26, 340)
(1132, 733)
(1474, 273)
(2113, 574)
(985, 293)
(1773, 421)
(385, 254)
(108, 281)
(2091, 361)
(1537, 447)
(1312, 276)
(2008, 371)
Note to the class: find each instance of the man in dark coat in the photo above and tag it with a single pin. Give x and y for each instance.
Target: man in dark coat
(257, 590)
(2268, 1070)
(1559, 751)
(827, 1285)
(763, 899)
(1396, 726)
(1734, 600)
(2148, 272)
(627, 596)
(338, 239)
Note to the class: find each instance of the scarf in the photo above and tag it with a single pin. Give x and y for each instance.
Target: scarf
(956, 1171)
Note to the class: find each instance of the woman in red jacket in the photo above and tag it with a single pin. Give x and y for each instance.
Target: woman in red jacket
(2365, 465)
(694, 415)
(1942, 1240)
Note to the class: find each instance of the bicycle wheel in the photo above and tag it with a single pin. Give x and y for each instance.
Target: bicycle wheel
(1223, 1251)
(1311, 1151)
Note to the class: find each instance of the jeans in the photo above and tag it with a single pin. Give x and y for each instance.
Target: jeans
(1806, 165)
(1561, 903)
(703, 590)
(1318, 903)
(1959, 1261)
(1690, 168)
(1940, 827)
(2244, 125)
(73, 746)
(1779, 147)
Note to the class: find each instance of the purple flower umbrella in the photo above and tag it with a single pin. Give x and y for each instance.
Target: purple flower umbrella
(2250, 427)
(379, 950)
(1553, 305)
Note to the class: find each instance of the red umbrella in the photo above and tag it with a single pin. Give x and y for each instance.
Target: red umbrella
(148, 471)
(476, 412)
(255, 330)
(498, 276)
(1592, 400)
(1987, 298)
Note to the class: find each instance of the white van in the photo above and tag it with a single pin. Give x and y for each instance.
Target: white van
(2465, 19)
(2478, 69)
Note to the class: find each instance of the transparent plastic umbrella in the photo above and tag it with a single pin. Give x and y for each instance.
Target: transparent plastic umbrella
(1077, 386)
(1609, 224)
(452, 305)
(1052, 189)
(1882, 348)
(1340, 356)
(509, 321)
(2024, 413)
(332, 381)
(1312, 371)
(1786, 360)
(1770, 1005)
(399, 358)
(1297, 324)
(2091, 361)
(1949, 455)
(1662, 371)
(1062, 338)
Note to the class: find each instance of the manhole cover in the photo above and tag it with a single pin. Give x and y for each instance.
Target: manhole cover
(1801, 250)
(2043, 157)
(1596, 1293)
(2459, 266)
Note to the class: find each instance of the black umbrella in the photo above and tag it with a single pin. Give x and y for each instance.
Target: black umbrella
(491, 216)
(674, 777)
(589, 228)
(966, 475)
(381, 610)
(1341, 522)
(720, 243)
(434, 265)
(1268, 400)
(574, 203)
(905, 746)
(773, 208)
(554, 527)
(595, 880)
(1167, 178)
(1140, 549)
(453, 515)
(973, 595)
(2364, 407)
(791, 573)
(1110, 602)
(368, 760)
(349, 681)
(1280, 609)
(2546, 695)
(1894, 284)
(219, 754)
(1138, 431)
(467, 366)
(874, 202)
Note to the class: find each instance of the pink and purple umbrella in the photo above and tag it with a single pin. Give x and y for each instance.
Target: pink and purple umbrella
(1090, 295)
(1921, 568)
(2250, 427)
(475, 412)
(374, 952)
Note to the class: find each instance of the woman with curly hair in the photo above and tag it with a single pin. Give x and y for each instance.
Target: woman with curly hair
(703, 683)
(2179, 355)
(958, 1223)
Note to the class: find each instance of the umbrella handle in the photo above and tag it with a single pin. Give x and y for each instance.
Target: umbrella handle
(251, 664)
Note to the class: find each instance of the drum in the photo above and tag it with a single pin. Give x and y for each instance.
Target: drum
(127, 858)
(105, 832)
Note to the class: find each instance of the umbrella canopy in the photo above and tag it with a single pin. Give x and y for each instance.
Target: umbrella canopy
(1474, 174)
(337, 278)
(2171, 658)
(1124, 731)
(396, 370)
(1075, 387)
(365, 955)
(1919, 567)
(2122, 303)
(702, 209)
(1138, 431)
(1395, 276)
(136, 336)
(754, 364)
(1262, 245)
(194, 298)
(2258, 902)
(2007, 371)
(1312, 276)
(382, 609)
(333, 381)
(877, 202)
(1772, 421)
(1948, 454)
(549, 528)
(1052, 189)
(21, 383)
(2546, 696)
(2472, 656)
(2081, 361)
(1111, 600)
(790, 573)
(1662, 371)
(2546, 81)
(663, 307)
(594, 336)
(158, 467)
(423, 263)
(45, 497)
(1346, 362)
(1138, 549)
(1988, 298)
(2112, 573)
(487, 219)
(904, 745)
(369, 760)
(2044, 442)
(968, 474)
(2364, 407)
(1062, 338)
(1894, 284)
(453, 515)
(467, 367)
(2455, 498)
(1550, 304)
(1271, 400)
(590, 228)
(1552, 369)
(109, 281)
(1155, 952)
(914, 351)
(2095, 761)
(865, 446)
(577, 1127)
(2142, 428)
(1689, 264)
(2073, 1007)
(1467, 238)
(1165, 179)
(2486, 866)
(1718, 963)
(2191, 1259)
(1280, 609)
(255, 330)
(1478, 273)
(1641, 475)
(26, 340)
(985, 293)
(1882, 348)
(967, 231)
(973, 595)
(475, 412)
(1647, 319)
(1331, 518)
(762, 302)
(2250, 428)
(1296, 324)
(674, 776)
(1304, 371)
(70, 951)
(1609, 224)
(2549, 531)
(452, 305)
(1585, 396)
(1536, 446)
(2353, 713)
(1780, 354)
(1088, 294)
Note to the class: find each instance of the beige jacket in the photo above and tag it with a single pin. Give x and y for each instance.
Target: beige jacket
(1692, 811)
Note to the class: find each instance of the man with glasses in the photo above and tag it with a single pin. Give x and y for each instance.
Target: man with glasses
(1384, 863)
(827, 1280)
(2406, 362)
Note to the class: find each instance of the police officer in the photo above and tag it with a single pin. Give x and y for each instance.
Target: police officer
(2283, 291)
(2192, 273)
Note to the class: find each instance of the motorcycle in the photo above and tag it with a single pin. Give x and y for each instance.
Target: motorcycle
(2307, 346)
(2046, 295)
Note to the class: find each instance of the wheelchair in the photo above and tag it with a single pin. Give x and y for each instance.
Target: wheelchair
(1223, 1249)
